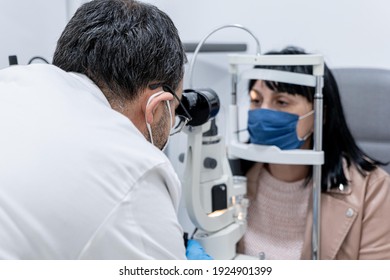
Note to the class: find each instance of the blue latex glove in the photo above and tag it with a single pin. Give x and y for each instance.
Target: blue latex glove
(195, 251)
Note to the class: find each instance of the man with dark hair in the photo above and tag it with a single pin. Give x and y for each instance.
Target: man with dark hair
(82, 174)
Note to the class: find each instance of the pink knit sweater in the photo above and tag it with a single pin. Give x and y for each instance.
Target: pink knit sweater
(276, 218)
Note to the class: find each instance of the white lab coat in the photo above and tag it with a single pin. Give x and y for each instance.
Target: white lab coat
(77, 179)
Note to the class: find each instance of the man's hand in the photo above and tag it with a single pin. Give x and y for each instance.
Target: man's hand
(196, 252)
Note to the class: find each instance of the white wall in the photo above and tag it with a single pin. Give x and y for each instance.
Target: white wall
(348, 33)
(30, 28)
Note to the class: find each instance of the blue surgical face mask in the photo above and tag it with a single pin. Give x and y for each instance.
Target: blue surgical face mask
(270, 127)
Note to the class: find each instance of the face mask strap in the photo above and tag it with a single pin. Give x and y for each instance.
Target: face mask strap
(150, 132)
(170, 113)
(301, 118)
(305, 137)
(306, 115)
(170, 118)
(147, 124)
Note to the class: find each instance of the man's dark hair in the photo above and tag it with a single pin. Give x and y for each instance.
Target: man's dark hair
(123, 46)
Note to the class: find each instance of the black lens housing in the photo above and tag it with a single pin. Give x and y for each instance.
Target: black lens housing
(201, 104)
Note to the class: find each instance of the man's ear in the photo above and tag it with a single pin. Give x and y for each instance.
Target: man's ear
(154, 101)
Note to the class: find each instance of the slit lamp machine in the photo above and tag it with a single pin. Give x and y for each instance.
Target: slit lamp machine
(215, 199)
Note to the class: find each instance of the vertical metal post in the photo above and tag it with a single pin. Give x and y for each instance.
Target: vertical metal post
(234, 80)
(318, 120)
(233, 107)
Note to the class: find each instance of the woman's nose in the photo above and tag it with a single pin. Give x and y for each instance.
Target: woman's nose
(265, 105)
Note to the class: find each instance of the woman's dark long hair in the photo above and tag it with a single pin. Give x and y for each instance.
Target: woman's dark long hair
(338, 142)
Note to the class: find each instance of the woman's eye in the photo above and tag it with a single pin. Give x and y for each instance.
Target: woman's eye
(255, 102)
(282, 102)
